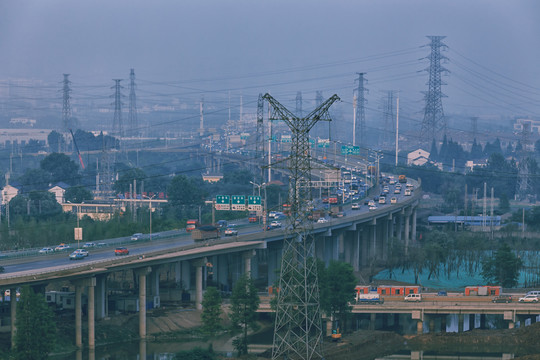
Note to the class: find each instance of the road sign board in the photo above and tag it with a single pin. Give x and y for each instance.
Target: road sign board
(350, 150)
(238, 202)
(223, 202)
(254, 203)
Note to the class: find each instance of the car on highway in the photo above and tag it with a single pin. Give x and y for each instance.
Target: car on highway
(89, 245)
(322, 221)
(372, 207)
(382, 200)
(503, 298)
(355, 206)
(231, 231)
(393, 200)
(529, 299)
(62, 247)
(121, 251)
(136, 236)
(46, 250)
(275, 224)
(78, 254)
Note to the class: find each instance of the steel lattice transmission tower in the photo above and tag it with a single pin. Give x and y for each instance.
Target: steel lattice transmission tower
(133, 121)
(524, 186)
(359, 130)
(66, 105)
(434, 123)
(298, 332)
(259, 150)
(389, 117)
(299, 104)
(118, 129)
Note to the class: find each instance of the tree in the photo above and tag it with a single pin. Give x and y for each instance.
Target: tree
(244, 305)
(36, 330)
(502, 268)
(56, 141)
(77, 194)
(185, 191)
(337, 283)
(61, 168)
(211, 313)
(126, 179)
(35, 179)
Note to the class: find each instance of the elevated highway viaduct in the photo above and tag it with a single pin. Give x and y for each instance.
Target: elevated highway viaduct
(358, 238)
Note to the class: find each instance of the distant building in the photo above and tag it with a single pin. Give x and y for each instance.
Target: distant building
(418, 157)
(471, 164)
(534, 125)
(8, 193)
(59, 190)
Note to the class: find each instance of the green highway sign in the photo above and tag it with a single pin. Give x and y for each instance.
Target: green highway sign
(254, 203)
(350, 150)
(238, 202)
(223, 202)
(254, 200)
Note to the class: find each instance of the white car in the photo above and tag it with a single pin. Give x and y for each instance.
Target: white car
(46, 250)
(393, 200)
(322, 220)
(89, 245)
(275, 224)
(62, 247)
(529, 298)
(355, 206)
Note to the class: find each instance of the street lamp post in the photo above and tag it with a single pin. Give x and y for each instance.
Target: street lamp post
(150, 212)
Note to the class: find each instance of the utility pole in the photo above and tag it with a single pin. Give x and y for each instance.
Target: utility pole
(434, 123)
(397, 130)
(298, 332)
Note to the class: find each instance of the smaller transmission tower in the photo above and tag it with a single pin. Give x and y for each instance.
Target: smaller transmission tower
(389, 117)
(133, 123)
(359, 130)
(299, 104)
(434, 123)
(474, 126)
(118, 129)
(524, 186)
(66, 105)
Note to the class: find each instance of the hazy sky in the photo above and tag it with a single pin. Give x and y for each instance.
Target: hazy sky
(213, 46)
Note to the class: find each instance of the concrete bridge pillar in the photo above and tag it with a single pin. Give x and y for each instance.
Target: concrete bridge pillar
(154, 283)
(142, 273)
(482, 321)
(373, 229)
(221, 271)
(419, 327)
(431, 325)
(472, 320)
(13, 313)
(101, 297)
(461, 321)
(199, 263)
(443, 323)
(372, 321)
(247, 255)
(178, 272)
(399, 229)
(186, 275)
(413, 230)
(365, 245)
(91, 314)
(78, 316)
(406, 231)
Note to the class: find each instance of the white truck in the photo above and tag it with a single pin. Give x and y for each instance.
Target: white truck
(369, 298)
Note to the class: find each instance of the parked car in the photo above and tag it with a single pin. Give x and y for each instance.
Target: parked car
(503, 298)
(46, 250)
(121, 251)
(231, 231)
(529, 298)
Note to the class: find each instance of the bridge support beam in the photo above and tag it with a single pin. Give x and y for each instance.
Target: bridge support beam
(461, 321)
(443, 323)
(101, 297)
(199, 263)
(91, 315)
(13, 311)
(79, 288)
(142, 273)
(78, 316)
